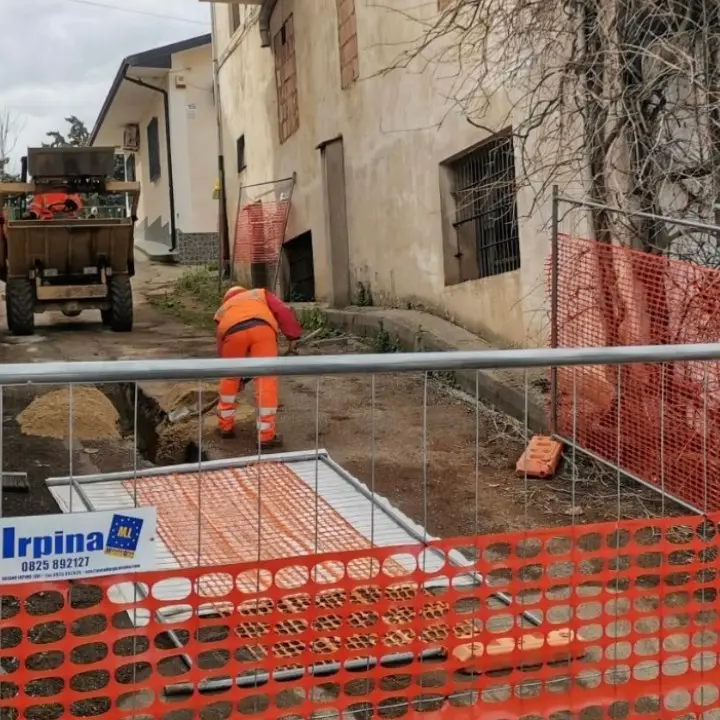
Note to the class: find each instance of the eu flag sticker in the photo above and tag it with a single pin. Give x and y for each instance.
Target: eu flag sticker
(123, 537)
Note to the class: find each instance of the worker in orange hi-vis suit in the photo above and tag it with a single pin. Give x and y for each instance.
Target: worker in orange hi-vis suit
(247, 325)
(45, 206)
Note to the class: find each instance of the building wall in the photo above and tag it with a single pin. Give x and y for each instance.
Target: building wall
(397, 129)
(194, 156)
(192, 111)
(154, 206)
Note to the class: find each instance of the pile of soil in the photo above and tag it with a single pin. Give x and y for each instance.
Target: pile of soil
(188, 394)
(94, 417)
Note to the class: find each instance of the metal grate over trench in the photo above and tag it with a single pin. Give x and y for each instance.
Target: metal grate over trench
(238, 510)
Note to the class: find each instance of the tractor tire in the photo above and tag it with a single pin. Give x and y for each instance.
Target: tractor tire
(20, 306)
(120, 314)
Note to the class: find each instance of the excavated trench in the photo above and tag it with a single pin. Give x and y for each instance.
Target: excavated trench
(158, 441)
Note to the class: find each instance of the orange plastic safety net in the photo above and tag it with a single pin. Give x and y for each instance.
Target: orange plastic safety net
(259, 231)
(660, 423)
(240, 514)
(621, 621)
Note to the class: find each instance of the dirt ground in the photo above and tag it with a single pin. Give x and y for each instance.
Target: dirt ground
(445, 481)
(421, 444)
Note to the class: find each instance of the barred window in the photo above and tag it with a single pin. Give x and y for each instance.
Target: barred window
(485, 195)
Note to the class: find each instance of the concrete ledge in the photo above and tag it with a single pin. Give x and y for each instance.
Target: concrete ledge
(157, 252)
(415, 331)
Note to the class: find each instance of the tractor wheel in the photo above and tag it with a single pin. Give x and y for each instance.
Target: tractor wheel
(121, 303)
(20, 306)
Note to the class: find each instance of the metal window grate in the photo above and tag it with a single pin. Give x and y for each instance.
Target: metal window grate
(486, 204)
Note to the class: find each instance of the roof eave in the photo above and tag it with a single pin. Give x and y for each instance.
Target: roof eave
(117, 81)
(159, 58)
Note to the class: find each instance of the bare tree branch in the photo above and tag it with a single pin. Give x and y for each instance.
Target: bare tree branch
(620, 98)
(11, 127)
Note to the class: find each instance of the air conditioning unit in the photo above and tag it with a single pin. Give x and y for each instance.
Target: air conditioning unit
(131, 138)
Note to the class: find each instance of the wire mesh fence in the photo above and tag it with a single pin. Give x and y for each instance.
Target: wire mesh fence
(407, 574)
(657, 423)
(260, 224)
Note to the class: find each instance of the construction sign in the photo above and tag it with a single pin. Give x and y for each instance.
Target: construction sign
(76, 545)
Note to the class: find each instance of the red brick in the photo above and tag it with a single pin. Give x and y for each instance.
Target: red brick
(540, 458)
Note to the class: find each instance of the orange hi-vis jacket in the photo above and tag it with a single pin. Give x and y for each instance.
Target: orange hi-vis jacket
(250, 305)
(41, 203)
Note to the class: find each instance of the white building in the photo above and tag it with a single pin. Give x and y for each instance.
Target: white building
(160, 112)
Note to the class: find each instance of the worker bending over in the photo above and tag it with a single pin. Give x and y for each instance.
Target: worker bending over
(247, 325)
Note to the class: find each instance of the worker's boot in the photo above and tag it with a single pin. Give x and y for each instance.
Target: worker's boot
(276, 442)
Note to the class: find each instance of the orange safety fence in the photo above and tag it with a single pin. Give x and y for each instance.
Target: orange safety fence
(627, 611)
(259, 231)
(660, 423)
(243, 515)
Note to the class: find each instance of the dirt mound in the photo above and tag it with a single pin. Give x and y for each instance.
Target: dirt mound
(188, 394)
(94, 417)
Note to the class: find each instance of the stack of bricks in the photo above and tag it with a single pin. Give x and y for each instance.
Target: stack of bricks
(347, 34)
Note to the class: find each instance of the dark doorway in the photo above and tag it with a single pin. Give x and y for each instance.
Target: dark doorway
(332, 155)
(301, 268)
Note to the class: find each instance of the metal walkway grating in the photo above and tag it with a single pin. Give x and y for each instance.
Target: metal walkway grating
(261, 511)
(303, 503)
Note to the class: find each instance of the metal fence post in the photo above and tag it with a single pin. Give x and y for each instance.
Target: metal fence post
(554, 271)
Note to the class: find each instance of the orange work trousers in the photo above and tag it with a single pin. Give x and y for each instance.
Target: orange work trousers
(258, 341)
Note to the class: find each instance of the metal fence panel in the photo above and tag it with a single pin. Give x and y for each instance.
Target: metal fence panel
(608, 295)
(628, 631)
(289, 587)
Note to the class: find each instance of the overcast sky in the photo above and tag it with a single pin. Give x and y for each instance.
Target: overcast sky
(60, 56)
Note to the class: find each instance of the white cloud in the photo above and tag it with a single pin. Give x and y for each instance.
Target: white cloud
(65, 53)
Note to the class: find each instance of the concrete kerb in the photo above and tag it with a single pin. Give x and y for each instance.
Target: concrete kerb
(156, 252)
(492, 388)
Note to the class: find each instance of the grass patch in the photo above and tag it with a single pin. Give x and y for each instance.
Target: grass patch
(363, 296)
(194, 297)
(381, 341)
(314, 318)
